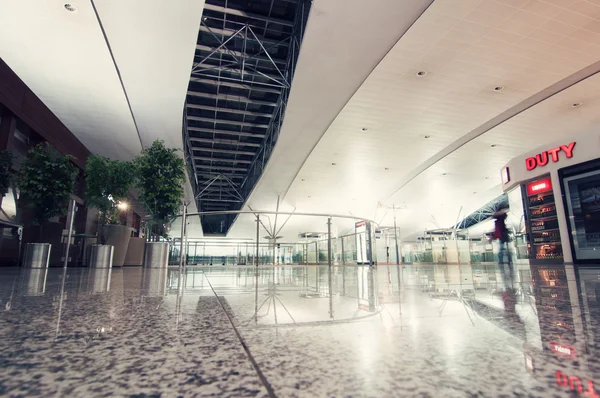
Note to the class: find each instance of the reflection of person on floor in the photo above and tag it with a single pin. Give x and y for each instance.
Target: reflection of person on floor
(501, 234)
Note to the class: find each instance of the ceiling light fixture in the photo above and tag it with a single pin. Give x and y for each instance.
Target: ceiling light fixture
(498, 88)
(364, 129)
(494, 145)
(444, 174)
(576, 105)
(70, 7)
(333, 164)
(387, 168)
(421, 73)
(303, 180)
(427, 136)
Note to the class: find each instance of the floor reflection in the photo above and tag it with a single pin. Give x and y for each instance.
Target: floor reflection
(449, 321)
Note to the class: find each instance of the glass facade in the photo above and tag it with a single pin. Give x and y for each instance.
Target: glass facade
(582, 194)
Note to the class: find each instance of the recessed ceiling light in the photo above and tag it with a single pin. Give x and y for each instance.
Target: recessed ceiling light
(70, 7)
(309, 196)
(487, 178)
(303, 180)
(333, 164)
(498, 88)
(576, 105)
(444, 174)
(421, 73)
(364, 129)
(494, 145)
(474, 193)
(427, 136)
(387, 168)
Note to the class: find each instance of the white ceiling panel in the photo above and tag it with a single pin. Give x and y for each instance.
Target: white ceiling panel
(63, 58)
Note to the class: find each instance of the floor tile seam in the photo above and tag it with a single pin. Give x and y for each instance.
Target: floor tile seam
(245, 346)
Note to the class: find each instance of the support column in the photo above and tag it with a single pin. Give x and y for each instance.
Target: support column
(329, 241)
(257, 236)
(8, 124)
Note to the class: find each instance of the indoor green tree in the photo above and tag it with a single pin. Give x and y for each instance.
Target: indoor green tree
(46, 182)
(107, 184)
(161, 175)
(6, 160)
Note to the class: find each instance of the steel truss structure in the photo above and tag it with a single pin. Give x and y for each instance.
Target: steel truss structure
(485, 212)
(239, 87)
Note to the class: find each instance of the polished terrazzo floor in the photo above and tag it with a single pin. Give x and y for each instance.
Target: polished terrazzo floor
(298, 331)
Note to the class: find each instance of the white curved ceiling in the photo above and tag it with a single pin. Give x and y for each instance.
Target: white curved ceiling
(65, 59)
(357, 69)
(533, 49)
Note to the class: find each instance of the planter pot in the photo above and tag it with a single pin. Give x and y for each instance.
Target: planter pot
(37, 255)
(157, 255)
(117, 236)
(50, 233)
(101, 256)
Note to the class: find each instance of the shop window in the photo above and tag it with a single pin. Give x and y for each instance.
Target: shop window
(582, 193)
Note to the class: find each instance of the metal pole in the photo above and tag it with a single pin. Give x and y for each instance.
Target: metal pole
(329, 241)
(396, 236)
(73, 208)
(257, 236)
(183, 219)
(343, 253)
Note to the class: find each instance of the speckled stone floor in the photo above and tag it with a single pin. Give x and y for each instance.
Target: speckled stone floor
(298, 331)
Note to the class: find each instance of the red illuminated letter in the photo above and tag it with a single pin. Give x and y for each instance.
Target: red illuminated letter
(542, 158)
(572, 381)
(554, 153)
(530, 163)
(561, 379)
(568, 149)
(591, 392)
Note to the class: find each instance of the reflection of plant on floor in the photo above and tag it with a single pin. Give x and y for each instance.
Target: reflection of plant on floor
(6, 176)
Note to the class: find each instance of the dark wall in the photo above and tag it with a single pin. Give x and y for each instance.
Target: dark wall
(25, 105)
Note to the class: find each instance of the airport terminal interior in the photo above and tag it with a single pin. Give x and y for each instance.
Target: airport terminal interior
(300, 198)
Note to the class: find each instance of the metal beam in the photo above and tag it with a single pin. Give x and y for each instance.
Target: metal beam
(247, 15)
(212, 175)
(235, 85)
(218, 150)
(225, 121)
(237, 98)
(216, 167)
(215, 131)
(227, 110)
(203, 47)
(223, 142)
(231, 68)
(208, 158)
(231, 32)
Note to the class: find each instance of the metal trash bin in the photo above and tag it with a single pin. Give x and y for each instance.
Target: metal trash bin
(101, 256)
(156, 255)
(37, 255)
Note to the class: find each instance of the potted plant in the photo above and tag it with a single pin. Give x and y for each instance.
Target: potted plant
(107, 184)
(161, 175)
(46, 182)
(6, 160)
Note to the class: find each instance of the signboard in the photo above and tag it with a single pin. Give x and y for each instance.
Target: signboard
(563, 350)
(576, 385)
(542, 159)
(539, 186)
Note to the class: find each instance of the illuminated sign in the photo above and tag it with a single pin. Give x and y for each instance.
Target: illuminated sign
(575, 384)
(539, 186)
(542, 159)
(563, 349)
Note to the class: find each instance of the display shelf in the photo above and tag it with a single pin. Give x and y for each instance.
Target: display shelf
(533, 218)
(546, 243)
(545, 230)
(542, 205)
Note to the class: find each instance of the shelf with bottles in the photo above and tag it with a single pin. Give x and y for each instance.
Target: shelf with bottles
(543, 212)
(546, 237)
(544, 225)
(541, 199)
